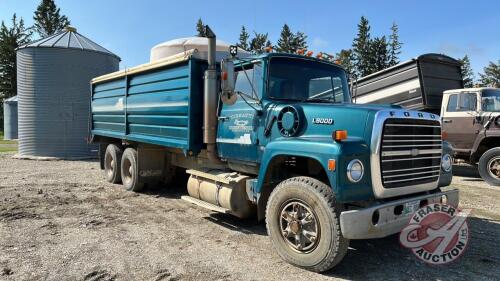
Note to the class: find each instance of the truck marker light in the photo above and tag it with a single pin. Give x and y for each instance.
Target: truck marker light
(309, 53)
(340, 135)
(444, 135)
(331, 164)
(319, 55)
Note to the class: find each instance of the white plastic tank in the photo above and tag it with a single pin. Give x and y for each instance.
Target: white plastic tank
(177, 46)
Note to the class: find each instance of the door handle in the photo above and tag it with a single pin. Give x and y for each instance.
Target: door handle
(447, 120)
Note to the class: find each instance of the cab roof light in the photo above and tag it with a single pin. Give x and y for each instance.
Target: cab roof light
(309, 53)
(340, 135)
(300, 51)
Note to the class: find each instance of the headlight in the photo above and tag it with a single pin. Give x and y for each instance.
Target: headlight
(446, 163)
(355, 170)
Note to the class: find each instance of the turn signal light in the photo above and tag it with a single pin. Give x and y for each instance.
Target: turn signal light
(444, 135)
(331, 164)
(340, 135)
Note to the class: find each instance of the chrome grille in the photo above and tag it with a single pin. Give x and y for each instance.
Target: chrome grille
(410, 152)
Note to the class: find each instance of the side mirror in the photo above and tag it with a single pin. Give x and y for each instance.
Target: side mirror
(228, 79)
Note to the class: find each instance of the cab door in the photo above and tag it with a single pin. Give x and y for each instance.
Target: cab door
(458, 120)
(237, 134)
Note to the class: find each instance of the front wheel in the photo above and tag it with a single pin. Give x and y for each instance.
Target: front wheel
(302, 220)
(489, 166)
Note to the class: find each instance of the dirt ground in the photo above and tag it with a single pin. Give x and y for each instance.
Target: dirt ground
(59, 220)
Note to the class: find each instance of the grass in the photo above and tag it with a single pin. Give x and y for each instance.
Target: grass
(7, 149)
(2, 141)
(7, 145)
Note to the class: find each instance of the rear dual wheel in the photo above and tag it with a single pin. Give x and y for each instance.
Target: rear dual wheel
(129, 170)
(122, 167)
(112, 160)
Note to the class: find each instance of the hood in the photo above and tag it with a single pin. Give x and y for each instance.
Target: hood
(322, 119)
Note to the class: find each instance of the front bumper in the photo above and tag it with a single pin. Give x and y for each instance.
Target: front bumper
(358, 224)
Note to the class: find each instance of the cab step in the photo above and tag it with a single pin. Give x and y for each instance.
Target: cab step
(205, 205)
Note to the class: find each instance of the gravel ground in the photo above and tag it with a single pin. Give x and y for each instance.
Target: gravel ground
(59, 220)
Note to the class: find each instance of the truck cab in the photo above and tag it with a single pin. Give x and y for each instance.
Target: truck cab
(276, 137)
(471, 122)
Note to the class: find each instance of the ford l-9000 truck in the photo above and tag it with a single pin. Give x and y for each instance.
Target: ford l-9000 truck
(273, 136)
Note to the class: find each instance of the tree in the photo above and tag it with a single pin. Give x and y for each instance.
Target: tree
(345, 58)
(244, 36)
(258, 43)
(361, 48)
(467, 73)
(200, 28)
(491, 75)
(394, 45)
(290, 42)
(11, 38)
(285, 42)
(299, 42)
(379, 54)
(48, 19)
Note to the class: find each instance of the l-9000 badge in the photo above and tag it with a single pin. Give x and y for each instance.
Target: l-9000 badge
(323, 121)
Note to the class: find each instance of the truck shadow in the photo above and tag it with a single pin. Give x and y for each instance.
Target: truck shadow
(467, 171)
(387, 259)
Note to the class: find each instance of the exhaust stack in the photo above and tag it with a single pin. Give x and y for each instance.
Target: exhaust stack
(210, 99)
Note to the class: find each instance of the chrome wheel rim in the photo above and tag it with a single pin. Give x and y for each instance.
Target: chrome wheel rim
(299, 226)
(127, 171)
(494, 167)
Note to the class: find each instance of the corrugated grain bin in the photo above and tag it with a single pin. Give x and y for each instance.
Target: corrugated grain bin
(10, 118)
(53, 76)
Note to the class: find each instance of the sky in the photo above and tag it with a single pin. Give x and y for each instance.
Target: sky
(131, 28)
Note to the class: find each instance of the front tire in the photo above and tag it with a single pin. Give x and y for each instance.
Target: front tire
(489, 166)
(130, 171)
(112, 162)
(302, 221)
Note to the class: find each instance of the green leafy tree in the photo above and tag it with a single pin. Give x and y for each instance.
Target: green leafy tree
(467, 73)
(361, 48)
(258, 42)
(491, 75)
(244, 36)
(379, 54)
(10, 38)
(200, 28)
(48, 19)
(394, 45)
(346, 59)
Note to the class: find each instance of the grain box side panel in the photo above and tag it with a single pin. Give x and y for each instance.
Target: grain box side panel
(158, 108)
(108, 115)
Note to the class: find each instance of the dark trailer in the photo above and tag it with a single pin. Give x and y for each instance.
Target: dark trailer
(415, 84)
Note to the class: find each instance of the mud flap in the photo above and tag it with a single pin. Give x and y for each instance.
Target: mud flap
(151, 163)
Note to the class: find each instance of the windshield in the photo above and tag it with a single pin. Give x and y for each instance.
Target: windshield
(305, 80)
(491, 100)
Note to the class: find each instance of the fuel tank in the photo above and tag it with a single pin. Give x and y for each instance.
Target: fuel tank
(221, 188)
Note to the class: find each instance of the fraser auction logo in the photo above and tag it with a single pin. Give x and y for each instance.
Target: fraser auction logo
(437, 233)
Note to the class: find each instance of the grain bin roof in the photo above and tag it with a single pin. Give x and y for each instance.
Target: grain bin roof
(68, 39)
(11, 99)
